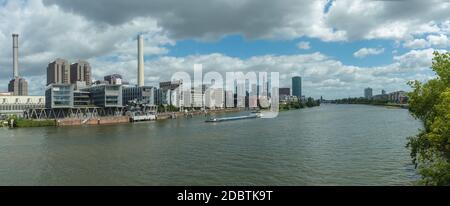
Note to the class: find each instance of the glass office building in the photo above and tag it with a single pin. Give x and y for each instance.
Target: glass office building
(297, 87)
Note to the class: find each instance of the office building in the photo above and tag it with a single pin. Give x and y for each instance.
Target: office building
(145, 95)
(114, 79)
(58, 72)
(297, 87)
(80, 71)
(59, 96)
(215, 98)
(284, 93)
(171, 93)
(368, 93)
(106, 95)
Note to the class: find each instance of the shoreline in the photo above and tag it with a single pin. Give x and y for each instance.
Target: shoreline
(114, 120)
(388, 105)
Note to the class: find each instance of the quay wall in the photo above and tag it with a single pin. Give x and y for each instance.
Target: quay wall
(93, 121)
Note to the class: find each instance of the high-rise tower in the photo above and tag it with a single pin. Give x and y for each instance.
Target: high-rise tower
(297, 87)
(140, 76)
(15, 55)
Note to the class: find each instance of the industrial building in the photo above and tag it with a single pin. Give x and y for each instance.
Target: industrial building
(16, 100)
(16, 105)
(140, 69)
(18, 86)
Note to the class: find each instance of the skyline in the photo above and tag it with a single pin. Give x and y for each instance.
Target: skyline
(322, 45)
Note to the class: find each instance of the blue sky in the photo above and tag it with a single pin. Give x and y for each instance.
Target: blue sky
(338, 47)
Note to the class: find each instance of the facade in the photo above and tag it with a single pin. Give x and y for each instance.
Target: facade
(59, 96)
(106, 95)
(145, 94)
(81, 98)
(18, 87)
(16, 105)
(80, 71)
(368, 93)
(58, 72)
(297, 86)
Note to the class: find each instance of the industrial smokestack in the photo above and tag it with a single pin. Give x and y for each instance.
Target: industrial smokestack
(15, 55)
(140, 60)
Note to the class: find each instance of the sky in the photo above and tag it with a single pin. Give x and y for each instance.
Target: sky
(338, 47)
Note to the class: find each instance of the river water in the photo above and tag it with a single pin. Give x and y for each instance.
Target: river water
(326, 145)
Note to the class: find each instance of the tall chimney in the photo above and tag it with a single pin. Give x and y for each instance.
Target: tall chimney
(140, 60)
(15, 55)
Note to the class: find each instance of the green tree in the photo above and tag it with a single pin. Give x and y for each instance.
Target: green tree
(430, 102)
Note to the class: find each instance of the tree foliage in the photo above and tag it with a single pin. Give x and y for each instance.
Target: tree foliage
(430, 102)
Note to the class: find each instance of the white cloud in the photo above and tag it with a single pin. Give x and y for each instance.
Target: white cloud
(439, 41)
(416, 44)
(432, 40)
(303, 45)
(363, 52)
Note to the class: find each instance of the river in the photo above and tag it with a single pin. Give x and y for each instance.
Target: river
(326, 145)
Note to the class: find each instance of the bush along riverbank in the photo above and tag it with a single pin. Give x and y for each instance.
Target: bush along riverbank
(17, 122)
(292, 105)
(430, 102)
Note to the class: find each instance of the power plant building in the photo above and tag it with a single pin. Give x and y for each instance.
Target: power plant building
(18, 86)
